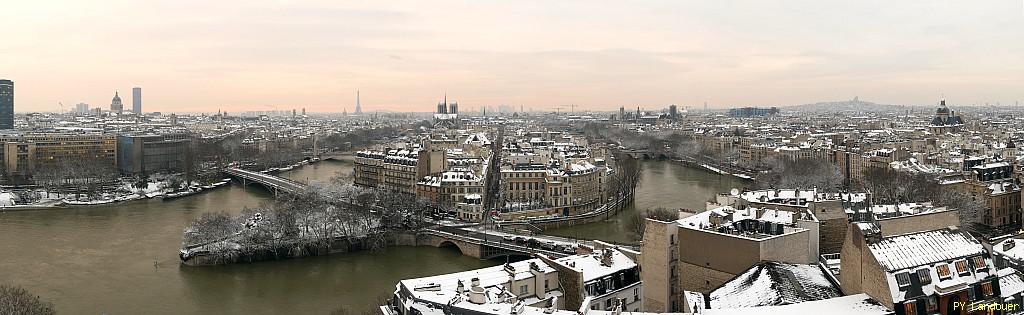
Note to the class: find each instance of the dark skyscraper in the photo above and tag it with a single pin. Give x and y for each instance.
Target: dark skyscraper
(6, 104)
(137, 100)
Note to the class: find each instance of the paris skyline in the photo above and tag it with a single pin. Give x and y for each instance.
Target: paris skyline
(403, 56)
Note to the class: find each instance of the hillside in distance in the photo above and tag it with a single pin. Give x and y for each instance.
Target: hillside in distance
(855, 105)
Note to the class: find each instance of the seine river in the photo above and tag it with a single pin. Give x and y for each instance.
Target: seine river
(122, 259)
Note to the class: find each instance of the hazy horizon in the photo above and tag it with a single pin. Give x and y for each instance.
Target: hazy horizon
(194, 56)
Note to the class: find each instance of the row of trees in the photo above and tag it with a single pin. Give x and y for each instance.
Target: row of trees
(89, 177)
(801, 173)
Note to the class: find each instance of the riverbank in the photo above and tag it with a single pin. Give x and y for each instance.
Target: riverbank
(127, 252)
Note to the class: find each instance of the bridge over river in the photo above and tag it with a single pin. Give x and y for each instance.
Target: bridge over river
(471, 239)
(273, 183)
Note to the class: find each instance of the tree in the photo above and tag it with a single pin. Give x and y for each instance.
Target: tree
(971, 210)
(803, 173)
(17, 300)
(638, 222)
(889, 186)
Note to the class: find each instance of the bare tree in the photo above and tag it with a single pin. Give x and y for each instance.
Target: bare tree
(889, 186)
(801, 173)
(971, 210)
(638, 222)
(17, 300)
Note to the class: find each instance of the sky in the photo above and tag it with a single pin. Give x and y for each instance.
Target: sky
(205, 56)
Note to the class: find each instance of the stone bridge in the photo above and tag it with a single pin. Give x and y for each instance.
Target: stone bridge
(645, 154)
(482, 245)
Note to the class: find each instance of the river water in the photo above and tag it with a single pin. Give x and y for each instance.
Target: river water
(122, 258)
(662, 184)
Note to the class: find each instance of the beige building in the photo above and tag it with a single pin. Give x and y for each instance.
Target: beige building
(396, 170)
(703, 251)
(23, 155)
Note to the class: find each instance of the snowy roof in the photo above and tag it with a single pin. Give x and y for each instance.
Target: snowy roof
(726, 216)
(798, 196)
(922, 248)
(774, 283)
(592, 267)
(1011, 248)
(931, 262)
(1010, 282)
(442, 288)
(860, 304)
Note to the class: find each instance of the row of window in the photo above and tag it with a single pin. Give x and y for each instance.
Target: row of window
(963, 266)
(931, 303)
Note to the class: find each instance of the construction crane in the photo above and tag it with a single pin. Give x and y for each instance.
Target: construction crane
(572, 108)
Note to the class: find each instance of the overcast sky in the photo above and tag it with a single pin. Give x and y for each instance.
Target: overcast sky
(404, 55)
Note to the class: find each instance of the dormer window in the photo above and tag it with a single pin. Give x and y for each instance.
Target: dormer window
(943, 272)
(925, 275)
(961, 266)
(979, 262)
(903, 279)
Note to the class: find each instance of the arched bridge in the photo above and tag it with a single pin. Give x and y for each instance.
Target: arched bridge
(645, 154)
(271, 182)
(483, 243)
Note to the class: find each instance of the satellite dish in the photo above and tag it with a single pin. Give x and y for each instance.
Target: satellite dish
(734, 192)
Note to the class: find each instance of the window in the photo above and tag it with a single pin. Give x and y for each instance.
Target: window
(546, 285)
(925, 275)
(909, 308)
(524, 289)
(986, 289)
(903, 279)
(933, 304)
(636, 294)
(961, 266)
(943, 271)
(979, 262)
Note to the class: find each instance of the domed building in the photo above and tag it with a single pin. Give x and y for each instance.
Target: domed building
(115, 104)
(945, 120)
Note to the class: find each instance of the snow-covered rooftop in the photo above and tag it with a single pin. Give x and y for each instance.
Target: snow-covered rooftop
(774, 283)
(922, 248)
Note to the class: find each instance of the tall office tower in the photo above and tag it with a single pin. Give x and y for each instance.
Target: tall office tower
(673, 111)
(359, 108)
(115, 104)
(705, 106)
(137, 100)
(82, 108)
(6, 104)
(622, 113)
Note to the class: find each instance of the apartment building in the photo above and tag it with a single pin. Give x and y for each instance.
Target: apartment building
(944, 271)
(397, 170)
(678, 250)
(24, 154)
(602, 280)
